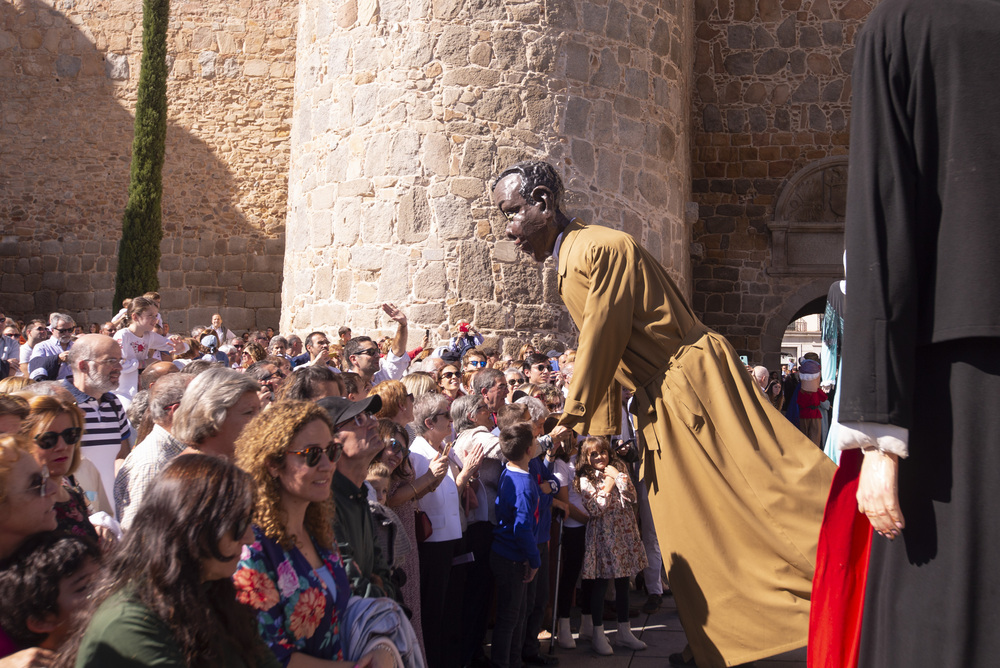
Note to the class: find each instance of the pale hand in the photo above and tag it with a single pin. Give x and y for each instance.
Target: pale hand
(438, 466)
(529, 572)
(878, 493)
(29, 658)
(560, 434)
(473, 459)
(376, 659)
(394, 313)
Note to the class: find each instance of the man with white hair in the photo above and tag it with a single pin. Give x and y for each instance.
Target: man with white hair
(41, 364)
(96, 361)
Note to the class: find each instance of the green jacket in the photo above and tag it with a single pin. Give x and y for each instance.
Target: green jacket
(126, 634)
(355, 531)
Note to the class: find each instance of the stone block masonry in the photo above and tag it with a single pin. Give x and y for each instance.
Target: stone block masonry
(68, 73)
(404, 111)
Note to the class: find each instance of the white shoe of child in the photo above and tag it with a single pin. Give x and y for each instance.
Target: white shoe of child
(600, 642)
(626, 639)
(565, 636)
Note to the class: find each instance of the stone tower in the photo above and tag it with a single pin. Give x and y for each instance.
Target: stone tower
(403, 112)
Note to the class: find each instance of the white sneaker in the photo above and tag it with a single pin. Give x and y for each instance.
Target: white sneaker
(565, 637)
(600, 642)
(626, 639)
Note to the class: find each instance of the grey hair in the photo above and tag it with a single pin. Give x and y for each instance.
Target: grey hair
(137, 409)
(203, 409)
(56, 318)
(536, 407)
(484, 379)
(534, 173)
(167, 391)
(277, 340)
(425, 407)
(464, 406)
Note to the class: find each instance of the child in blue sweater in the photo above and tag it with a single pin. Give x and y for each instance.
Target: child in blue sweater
(515, 558)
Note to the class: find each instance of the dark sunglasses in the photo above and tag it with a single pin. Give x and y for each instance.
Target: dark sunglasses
(40, 481)
(49, 439)
(312, 455)
(374, 352)
(479, 365)
(396, 445)
(444, 414)
(449, 374)
(543, 367)
(63, 330)
(513, 382)
(276, 374)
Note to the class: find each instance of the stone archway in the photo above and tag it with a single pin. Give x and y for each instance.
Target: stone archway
(774, 330)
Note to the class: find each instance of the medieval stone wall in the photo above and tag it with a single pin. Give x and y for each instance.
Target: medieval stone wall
(405, 110)
(68, 75)
(772, 95)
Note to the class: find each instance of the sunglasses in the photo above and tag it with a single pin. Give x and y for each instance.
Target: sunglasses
(444, 414)
(312, 455)
(49, 439)
(374, 352)
(63, 330)
(396, 445)
(514, 382)
(543, 367)
(479, 365)
(449, 374)
(40, 481)
(276, 374)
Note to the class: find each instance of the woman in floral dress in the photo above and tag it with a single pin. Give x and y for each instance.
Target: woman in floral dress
(614, 549)
(292, 573)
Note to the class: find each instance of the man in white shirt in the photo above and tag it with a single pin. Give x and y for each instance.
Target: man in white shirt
(364, 358)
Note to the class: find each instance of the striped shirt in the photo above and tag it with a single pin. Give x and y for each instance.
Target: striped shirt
(105, 427)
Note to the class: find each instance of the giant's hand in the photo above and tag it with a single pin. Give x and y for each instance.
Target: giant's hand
(878, 494)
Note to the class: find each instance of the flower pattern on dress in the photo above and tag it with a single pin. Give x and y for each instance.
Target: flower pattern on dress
(288, 579)
(304, 615)
(255, 589)
(613, 545)
(308, 613)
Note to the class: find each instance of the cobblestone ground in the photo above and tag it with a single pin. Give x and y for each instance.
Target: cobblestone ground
(662, 633)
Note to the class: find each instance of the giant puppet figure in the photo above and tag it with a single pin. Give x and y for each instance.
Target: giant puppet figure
(736, 491)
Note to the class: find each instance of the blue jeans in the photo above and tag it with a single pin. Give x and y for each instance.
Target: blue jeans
(508, 632)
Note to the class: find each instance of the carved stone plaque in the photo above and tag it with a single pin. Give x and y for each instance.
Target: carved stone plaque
(807, 234)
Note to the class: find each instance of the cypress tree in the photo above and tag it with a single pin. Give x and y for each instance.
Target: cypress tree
(139, 249)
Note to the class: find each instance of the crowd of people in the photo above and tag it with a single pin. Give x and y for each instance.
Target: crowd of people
(262, 499)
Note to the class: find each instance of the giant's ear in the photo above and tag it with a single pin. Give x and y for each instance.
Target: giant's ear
(543, 196)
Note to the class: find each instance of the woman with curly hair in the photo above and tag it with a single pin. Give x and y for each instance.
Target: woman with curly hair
(252, 352)
(166, 597)
(55, 428)
(292, 574)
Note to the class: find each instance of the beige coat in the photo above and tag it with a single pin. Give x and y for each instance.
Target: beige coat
(737, 492)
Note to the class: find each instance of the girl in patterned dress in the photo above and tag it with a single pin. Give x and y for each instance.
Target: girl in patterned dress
(614, 548)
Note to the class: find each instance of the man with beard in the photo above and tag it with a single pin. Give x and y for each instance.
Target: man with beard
(736, 492)
(41, 363)
(96, 361)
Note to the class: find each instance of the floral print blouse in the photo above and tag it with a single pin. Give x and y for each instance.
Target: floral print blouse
(296, 612)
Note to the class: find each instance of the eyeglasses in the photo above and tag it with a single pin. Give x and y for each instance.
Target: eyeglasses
(49, 439)
(396, 445)
(40, 481)
(238, 347)
(449, 374)
(111, 361)
(63, 330)
(370, 351)
(542, 367)
(444, 414)
(479, 365)
(275, 374)
(514, 382)
(312, 454)
(360, 419)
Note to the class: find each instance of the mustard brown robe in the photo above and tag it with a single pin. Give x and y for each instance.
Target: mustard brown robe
(737, 492)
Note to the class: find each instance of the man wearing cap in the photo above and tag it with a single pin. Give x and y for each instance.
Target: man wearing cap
(354, 428)
(467, 337)
(736, 492)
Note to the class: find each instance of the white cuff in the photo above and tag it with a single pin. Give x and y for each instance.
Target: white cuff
(885, 437)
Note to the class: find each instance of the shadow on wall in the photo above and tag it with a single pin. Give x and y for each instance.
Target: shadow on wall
(65, 143)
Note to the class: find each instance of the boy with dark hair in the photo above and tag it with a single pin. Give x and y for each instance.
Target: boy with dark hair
(515, 558)
(42, 586)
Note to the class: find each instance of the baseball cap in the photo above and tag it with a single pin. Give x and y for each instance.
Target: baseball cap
(341, 409)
